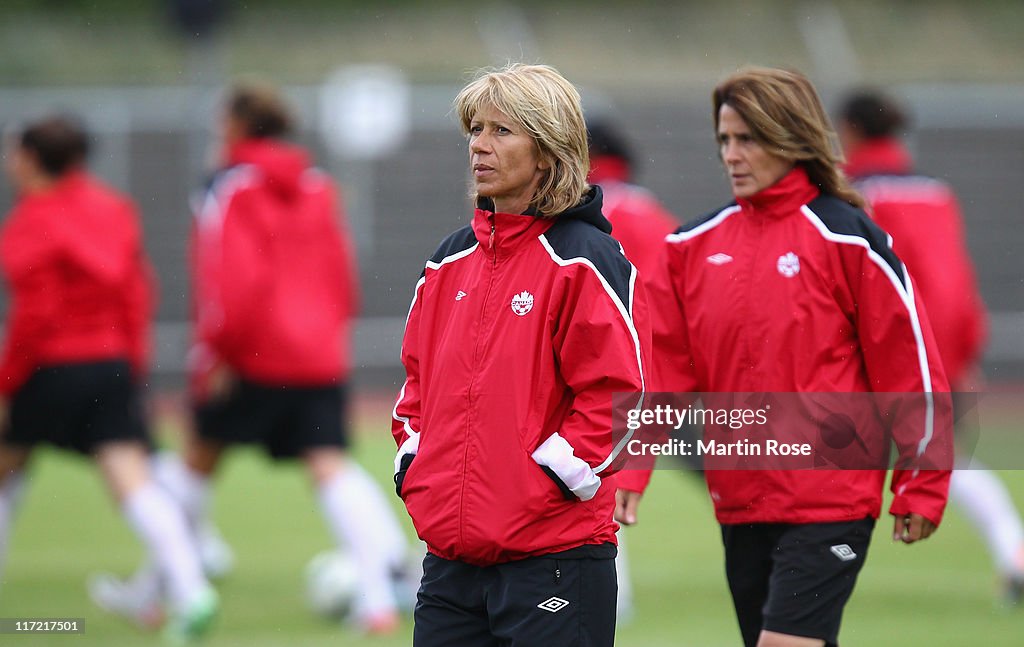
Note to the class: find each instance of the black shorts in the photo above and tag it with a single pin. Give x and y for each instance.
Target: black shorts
(78, 407)
(565, 599)
(285, 420)
(794, 579)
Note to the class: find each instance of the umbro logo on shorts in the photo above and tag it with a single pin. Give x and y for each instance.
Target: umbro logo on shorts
(553, 604)
(844, 552)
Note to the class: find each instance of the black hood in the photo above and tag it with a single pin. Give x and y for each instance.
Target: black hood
(589, 210)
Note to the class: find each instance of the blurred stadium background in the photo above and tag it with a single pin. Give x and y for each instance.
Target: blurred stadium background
(373, 82)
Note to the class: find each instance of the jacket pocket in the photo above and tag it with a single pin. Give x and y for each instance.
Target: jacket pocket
(567, 494)
(403, 468)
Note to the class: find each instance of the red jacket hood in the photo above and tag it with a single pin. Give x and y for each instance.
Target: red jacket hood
(281, 163)
(71, 211)
(884, 156)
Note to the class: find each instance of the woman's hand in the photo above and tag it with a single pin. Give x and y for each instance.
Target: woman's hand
(626, 505)
(912, 527)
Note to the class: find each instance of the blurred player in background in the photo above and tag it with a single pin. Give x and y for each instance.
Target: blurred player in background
(76, 351)
(275, 292)
(923, 217)
(640, 223)
(792, 289)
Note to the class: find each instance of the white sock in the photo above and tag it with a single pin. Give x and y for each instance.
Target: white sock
(10, 496)
(190, 489)
(984, 500)
(361, 520)
(161, 526)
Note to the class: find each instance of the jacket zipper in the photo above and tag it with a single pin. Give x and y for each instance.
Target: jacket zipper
(472, 381)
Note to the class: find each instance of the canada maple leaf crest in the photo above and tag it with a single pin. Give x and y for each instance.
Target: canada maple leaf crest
(788, 265)
(522, 303)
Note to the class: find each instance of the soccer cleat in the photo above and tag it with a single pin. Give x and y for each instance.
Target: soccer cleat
(192, 622)
(121, 598)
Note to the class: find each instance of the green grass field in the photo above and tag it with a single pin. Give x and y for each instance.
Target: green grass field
(937, 593)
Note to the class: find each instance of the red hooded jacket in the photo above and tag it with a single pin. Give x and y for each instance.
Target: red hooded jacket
(81, 287)
(792, 291)
(274, 278)
(520, 331)
(923, 217)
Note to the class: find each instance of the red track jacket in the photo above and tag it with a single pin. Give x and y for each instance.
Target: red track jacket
(520, 330)
(797, 292)
(81, 287)
(274, 279)
(923, 217)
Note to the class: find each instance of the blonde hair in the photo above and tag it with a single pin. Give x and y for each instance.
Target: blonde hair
(785, 115)
(545, 105)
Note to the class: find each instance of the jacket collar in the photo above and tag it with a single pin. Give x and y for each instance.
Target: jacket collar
(782, 198)
(502, 233)
(882, 156)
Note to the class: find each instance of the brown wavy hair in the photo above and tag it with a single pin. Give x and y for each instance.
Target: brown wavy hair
(785, 115)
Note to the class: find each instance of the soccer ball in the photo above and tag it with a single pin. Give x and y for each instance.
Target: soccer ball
(332, 584)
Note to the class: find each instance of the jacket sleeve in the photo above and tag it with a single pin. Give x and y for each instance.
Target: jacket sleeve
(348, 262)
(29, 259)
(904, 369)
(671, 364)
(972, 328)
(227, 261)
(602, 346)
(405, 418)
(140, 301)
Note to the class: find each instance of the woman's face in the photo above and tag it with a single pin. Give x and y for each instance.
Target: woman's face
(506, 163)
(750, 167)
(19, 164)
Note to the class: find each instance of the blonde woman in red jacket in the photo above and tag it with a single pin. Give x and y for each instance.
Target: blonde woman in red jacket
(76, 350)
(523, 324)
